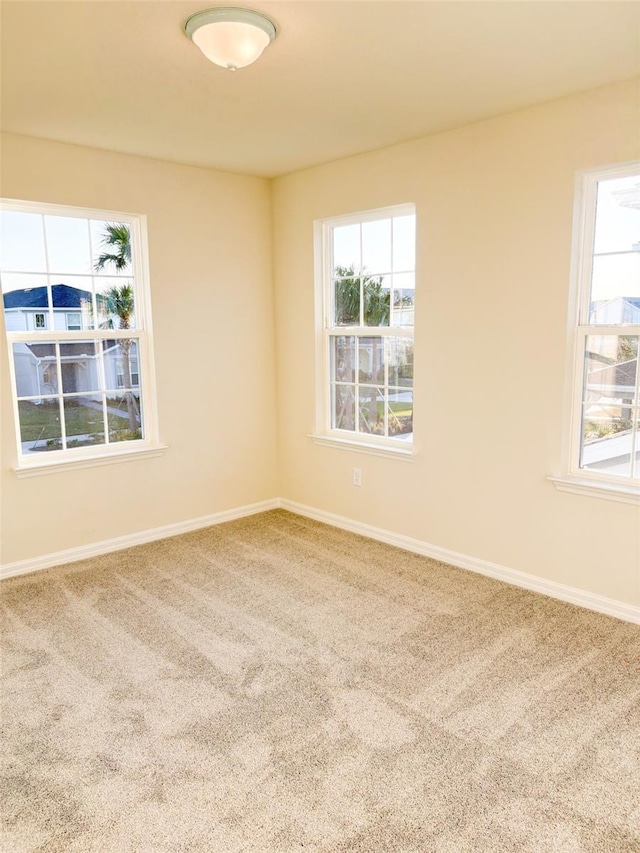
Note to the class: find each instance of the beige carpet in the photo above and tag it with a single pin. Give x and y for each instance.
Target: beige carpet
(273, 684)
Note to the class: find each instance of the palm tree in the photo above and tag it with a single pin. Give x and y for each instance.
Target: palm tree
(118, 301)
(117, 235)
(377, 304)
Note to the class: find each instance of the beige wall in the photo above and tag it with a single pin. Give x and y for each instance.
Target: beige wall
(494, 205)
(494, 217)
(212, 305)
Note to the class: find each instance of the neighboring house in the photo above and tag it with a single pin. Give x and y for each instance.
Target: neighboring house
(27, 310)
(622, 309)
(35, 364)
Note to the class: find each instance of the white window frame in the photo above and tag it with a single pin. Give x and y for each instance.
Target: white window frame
(70, 326)
(325, 434)
(574, 478)
(82, 457)
(42, 314)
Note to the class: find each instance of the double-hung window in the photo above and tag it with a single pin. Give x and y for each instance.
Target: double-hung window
(366, 304)
(605, 422)
(75, 299)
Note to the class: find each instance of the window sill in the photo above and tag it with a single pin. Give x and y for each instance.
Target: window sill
(405, 454)
(36, 469)
(598, 489)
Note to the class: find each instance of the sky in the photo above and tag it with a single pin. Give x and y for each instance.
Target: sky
(381, 246)
(617, 230)
(70, 245)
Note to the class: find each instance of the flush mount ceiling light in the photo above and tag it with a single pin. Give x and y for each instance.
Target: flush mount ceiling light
(230, 37)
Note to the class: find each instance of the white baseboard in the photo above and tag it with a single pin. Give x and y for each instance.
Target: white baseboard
(572, 595)
(95, 549)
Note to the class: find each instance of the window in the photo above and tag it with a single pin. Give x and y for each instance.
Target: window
(74, 322)
(81, 373)
(605, 445)
(366, 302)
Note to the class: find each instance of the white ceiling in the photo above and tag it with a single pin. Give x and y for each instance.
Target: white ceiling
(341, 77)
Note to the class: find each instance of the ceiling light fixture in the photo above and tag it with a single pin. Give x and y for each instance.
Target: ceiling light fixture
(229, 36)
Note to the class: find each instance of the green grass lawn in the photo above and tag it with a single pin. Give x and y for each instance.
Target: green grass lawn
(399, 409)
(43, 421)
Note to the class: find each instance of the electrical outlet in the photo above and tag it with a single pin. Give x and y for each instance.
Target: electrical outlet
(357, 476)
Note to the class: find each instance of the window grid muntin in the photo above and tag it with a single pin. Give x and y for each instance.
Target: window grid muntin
(102, 392)
(325, 306)
(383, 333)
(140, 332)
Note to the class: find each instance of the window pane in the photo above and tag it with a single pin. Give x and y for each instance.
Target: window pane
(343, 358)
(377, 301)
(376, 246)
(116, 302)
(400, 412)
(371, 410)
(24, 296)
(67, 244)
(400, 358)
(615, 289)
(404, 281)
(343, 415)
(121, 364)
(404, 243)
(79, 367)
(111, 249)
(39, 425)
(403, 307)
(35, 369)
(124, 415)
(346, 250)
(371, 360)
(347, 302)
(618, 215)
(72, 297)
(607, 439)
(84, 420)
(22, 242)
(403, 299)
(611, 364)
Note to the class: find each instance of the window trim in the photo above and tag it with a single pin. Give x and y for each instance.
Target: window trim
(96, 455)
(574, 479)
(74, 327)
(324, 434)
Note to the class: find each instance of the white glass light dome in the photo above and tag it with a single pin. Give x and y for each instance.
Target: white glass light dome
(231, 37)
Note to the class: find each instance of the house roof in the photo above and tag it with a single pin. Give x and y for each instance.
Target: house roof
(64, 296)
(80, 348)
(71, 348)
(621, 309)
